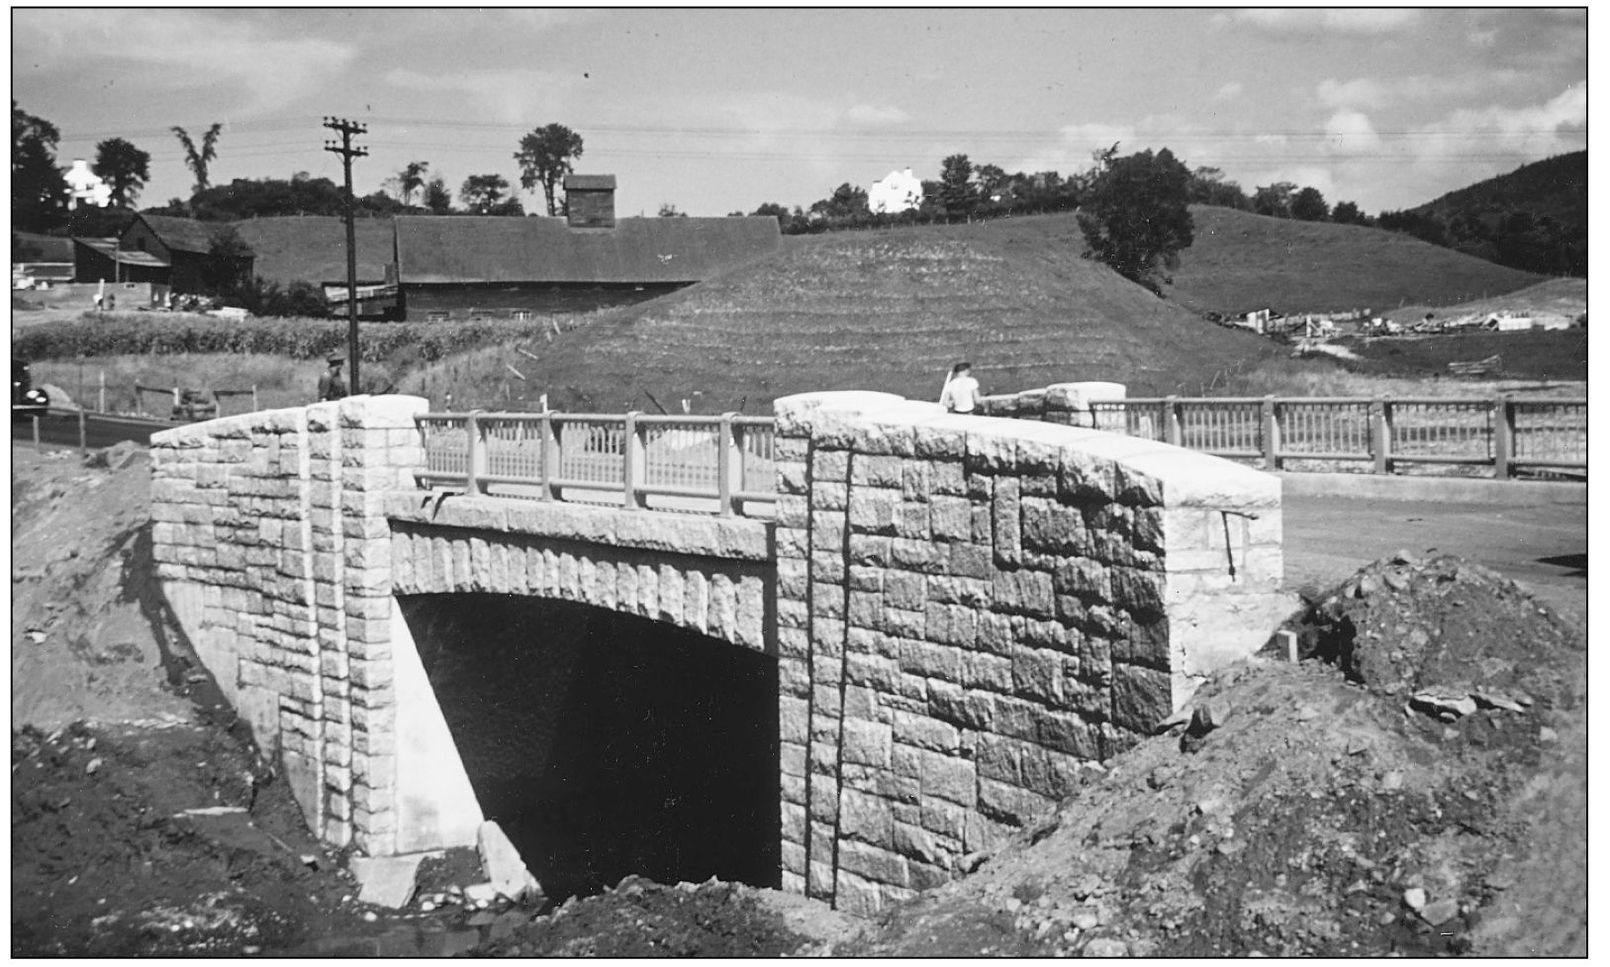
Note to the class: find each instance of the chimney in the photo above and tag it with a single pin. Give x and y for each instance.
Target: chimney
(590, 200)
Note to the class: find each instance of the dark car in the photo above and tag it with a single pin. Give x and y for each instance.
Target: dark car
(25, 400)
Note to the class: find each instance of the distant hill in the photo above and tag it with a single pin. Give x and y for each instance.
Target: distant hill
(891, 311)
(1534, 218)
(1240, 261)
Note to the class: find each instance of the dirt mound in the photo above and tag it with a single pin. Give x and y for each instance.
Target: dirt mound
(1318, 816)
(1444, 633)
(640, 918)
(88, 638)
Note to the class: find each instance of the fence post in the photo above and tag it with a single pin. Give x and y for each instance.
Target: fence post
(633, 457)
(1381, 433)
(474, 454)
(1174, 432)
(83, 430)
(548, 455)
(255, 406)
(36, 431)
(729, 465)
(1271, 435)
(102, 395)
(1503, 437)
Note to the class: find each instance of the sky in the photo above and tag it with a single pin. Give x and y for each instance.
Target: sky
(715, 111)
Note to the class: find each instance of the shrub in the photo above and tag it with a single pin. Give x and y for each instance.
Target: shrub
(128, 333)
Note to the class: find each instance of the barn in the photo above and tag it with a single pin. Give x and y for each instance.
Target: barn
(454, 267)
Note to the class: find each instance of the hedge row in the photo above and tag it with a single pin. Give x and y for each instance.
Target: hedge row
(145, 334)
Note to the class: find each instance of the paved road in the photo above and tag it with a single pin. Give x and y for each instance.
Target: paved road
(1545, 547)
(61, 429)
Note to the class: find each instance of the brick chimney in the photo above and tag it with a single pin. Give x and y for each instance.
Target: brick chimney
(591, 200)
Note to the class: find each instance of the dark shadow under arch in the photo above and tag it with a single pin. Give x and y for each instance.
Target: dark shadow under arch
(607, 744)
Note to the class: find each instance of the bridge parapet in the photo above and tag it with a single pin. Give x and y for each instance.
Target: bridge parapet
(972, 610)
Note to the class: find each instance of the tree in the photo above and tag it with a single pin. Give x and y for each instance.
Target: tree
(546, 155)
(1308, 205)
(785, 220)
(1274, 200)
(482, 193)
(1208, 187)
(124, 168)
(38, 193)
(957, 192)
(846, 202)
(411, 179)
(993, 183)
(1135, 217)
(229, 258)
(438, 199)
(197, 160)
(668, 210)
(1347, 213)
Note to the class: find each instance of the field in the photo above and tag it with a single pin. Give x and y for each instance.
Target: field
(1239, 262)
(880, 310)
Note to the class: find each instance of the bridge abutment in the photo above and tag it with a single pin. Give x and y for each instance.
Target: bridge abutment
(971, 611)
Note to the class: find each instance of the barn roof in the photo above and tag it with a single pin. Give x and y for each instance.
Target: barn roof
(443, 250)
(313, 248)
(589, 182)
(182, 234)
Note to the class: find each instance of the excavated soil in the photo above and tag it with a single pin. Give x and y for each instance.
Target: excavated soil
(1415, 786)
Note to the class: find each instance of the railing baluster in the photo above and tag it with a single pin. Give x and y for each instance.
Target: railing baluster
(1503, 422)
(634, 456)
(727, 465)
(474, 454)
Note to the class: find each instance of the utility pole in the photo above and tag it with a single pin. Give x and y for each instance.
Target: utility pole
(347, 152)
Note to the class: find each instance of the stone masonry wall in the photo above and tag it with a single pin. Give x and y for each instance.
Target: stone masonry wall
(972, 610)
(272, 547)
(707, 574)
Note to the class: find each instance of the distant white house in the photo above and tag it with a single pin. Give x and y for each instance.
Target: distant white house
(896, 192)
(83, 185)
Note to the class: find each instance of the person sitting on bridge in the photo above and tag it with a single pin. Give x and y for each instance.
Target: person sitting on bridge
(961, 389)
(331, 385)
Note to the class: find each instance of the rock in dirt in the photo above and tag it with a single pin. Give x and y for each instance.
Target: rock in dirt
(1106, 947)
(387, 881)
(503, 864)
(1439, 912)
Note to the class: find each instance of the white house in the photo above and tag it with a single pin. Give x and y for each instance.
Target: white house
(85, 186)
(898, 191)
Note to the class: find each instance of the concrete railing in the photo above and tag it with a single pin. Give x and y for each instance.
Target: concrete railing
(1384, 434)
(720, 464)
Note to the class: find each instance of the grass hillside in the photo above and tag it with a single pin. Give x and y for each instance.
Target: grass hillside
(1240, 261)
(878, 311)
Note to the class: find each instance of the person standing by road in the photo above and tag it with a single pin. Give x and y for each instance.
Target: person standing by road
(961, 389)
(331, 385)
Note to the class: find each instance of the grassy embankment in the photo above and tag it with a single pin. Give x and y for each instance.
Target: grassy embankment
(891, 311)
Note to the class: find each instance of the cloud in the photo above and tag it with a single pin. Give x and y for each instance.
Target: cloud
(1228, 91)
(511, 95)
(173, 47)
(875, 115)
(1356, 93)
(1075, 145)
(1353, 21)
(1350, 132)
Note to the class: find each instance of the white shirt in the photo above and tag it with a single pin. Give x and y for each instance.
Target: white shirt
(960, 395)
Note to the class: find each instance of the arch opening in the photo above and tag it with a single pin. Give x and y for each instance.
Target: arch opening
(607, 744)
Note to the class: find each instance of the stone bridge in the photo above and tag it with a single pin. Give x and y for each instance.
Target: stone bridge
(959, 613)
